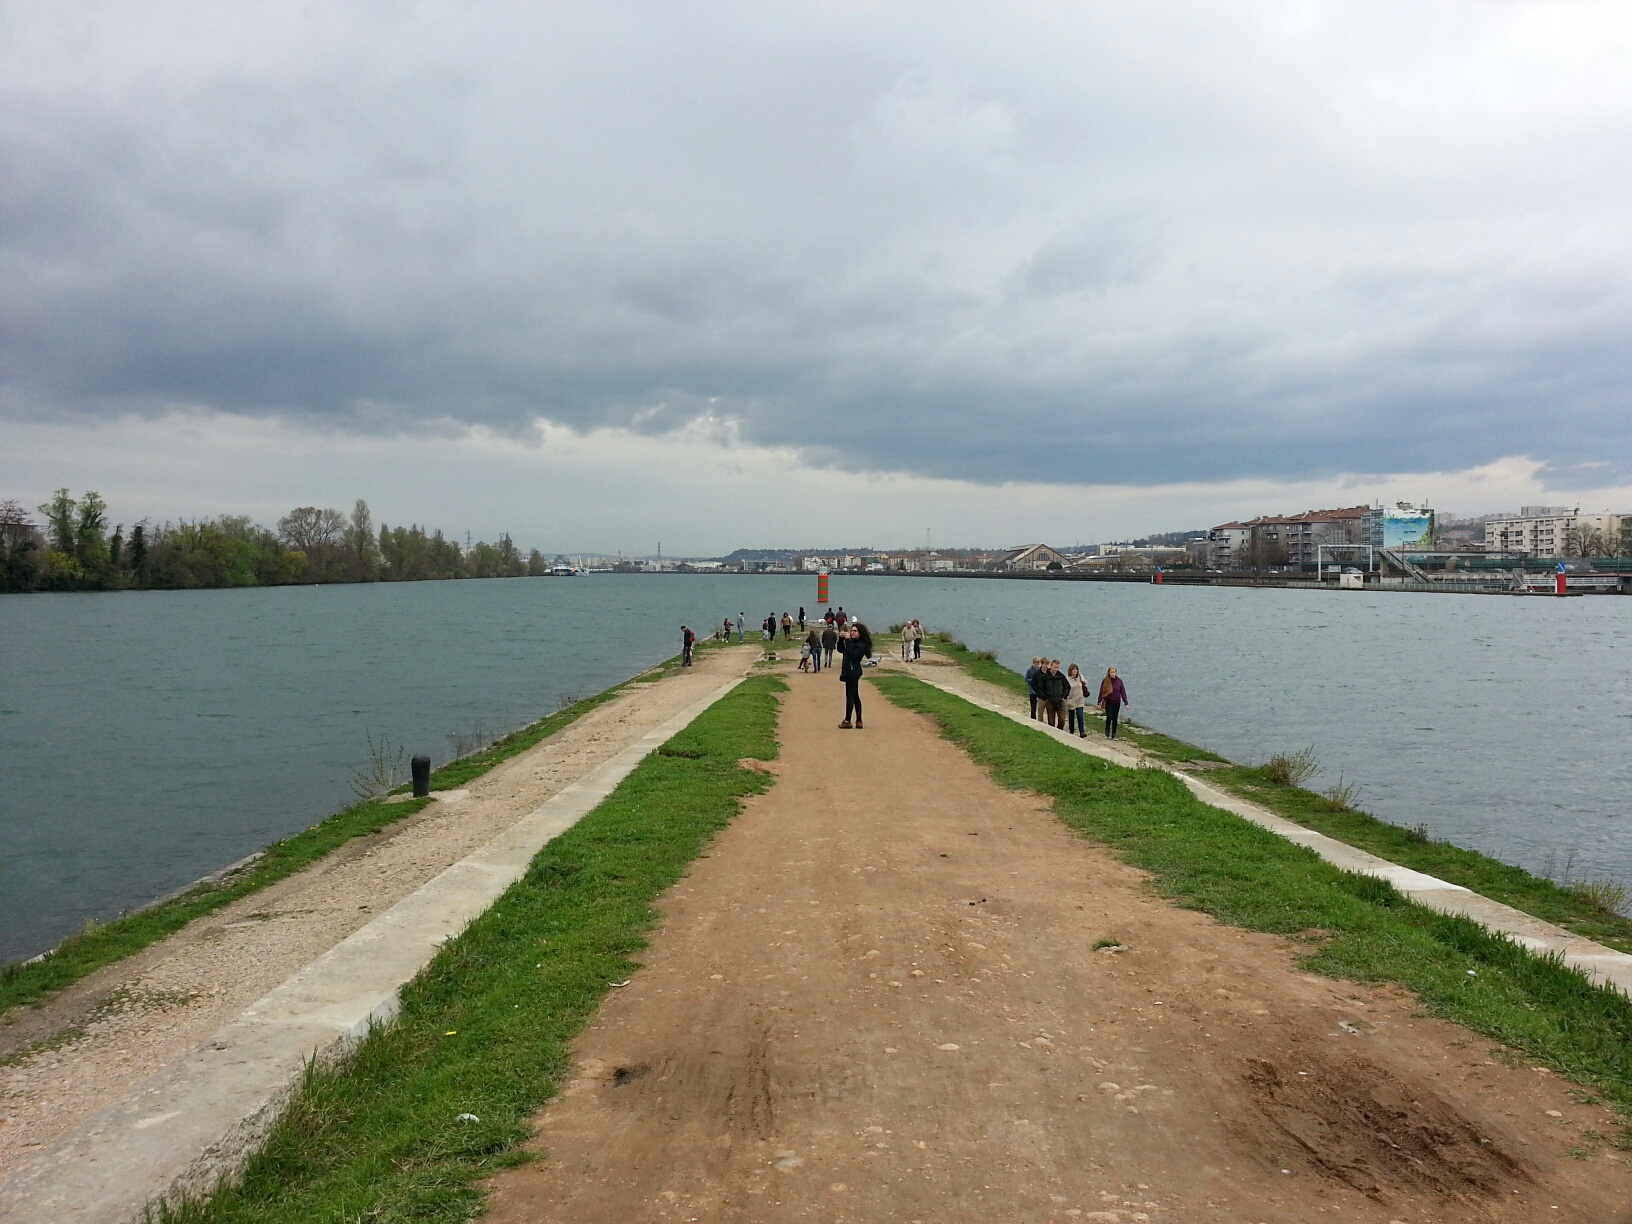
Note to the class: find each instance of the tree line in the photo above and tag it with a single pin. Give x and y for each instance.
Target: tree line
(72, 549)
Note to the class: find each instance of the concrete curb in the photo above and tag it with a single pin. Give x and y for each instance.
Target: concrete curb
(201, 1119)
(1603, 966)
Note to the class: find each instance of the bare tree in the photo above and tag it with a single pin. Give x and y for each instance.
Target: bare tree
(312, 530)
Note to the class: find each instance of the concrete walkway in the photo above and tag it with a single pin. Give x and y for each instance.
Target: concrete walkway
(1602, 965)
(201, 1119)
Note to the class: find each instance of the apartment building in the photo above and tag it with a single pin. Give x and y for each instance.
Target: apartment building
(1560, 534)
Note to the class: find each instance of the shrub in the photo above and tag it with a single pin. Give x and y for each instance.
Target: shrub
(1606, 896)
(1293, 770)
(1344, 796)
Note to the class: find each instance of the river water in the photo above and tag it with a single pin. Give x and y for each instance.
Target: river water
(149, 738)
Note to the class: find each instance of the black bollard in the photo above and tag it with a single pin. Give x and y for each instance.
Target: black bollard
(421, 766)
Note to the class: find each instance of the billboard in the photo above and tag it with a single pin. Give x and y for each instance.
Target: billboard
(1411, 532)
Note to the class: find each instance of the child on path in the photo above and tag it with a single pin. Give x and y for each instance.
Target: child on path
(1113, 695)
(804, 656)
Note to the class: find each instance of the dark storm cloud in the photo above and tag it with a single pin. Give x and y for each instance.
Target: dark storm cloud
(1126, 245)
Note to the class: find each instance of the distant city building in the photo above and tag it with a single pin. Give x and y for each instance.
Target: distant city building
(1317, 537)
(1034, 557)
(1565, 533)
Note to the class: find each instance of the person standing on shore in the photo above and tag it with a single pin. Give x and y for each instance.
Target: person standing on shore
(1076, 702)
(740, 623)
(830, 640)
(787, 627)
(1031, 683)
(726, 630)
(853, 649)
(917, 640)
(688, 639)
(1113, 695)
(801, 618)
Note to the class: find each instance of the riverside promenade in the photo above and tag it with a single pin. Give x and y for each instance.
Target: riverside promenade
(892, 989)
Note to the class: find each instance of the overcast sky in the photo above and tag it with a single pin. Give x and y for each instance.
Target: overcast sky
(606, 274)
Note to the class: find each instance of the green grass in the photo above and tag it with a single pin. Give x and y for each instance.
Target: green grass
(1489, 877)
(484, 1030)
(101, 944)
(1209, 859)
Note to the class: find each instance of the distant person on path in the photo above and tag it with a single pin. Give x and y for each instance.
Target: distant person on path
(854, 649)
(739, 626)
(828, 618)
(841, 618)
(814, 641)
(1076, 701)
(830, 640)
(767, 628)
(917, 640)
(1052, 687)
(1031, 683)
(1113, 695)
(801, 618)
(688, 639)
(787, 627)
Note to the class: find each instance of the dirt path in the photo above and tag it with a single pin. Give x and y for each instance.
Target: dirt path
(879, 998)
(110, 1032)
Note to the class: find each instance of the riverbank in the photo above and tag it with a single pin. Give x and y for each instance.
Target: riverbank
(67, 1056)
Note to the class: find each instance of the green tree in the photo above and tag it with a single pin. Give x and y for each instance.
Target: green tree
(61, 521)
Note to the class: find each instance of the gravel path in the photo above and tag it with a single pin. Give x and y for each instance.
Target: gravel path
(69, 1058)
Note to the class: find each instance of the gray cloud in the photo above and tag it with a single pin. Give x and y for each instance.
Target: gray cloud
(1170, 244)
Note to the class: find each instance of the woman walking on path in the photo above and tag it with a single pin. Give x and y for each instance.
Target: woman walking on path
(917, 640)
(854, 649)
(814, 641)
(1032, 673)
(1113, 695)
(1076, 701)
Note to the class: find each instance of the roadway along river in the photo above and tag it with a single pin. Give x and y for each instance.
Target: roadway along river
(150, 738)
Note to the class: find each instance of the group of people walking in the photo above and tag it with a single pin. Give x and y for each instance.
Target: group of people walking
(1064, 697)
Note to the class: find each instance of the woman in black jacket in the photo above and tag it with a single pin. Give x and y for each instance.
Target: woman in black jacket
(854, 649)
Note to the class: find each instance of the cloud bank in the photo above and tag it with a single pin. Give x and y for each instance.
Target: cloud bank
(1174, 244)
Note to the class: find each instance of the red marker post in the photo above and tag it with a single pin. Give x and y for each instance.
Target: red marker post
(821, 586)
(1558, 578)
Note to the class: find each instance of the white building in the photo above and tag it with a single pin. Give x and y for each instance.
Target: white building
(1552, 535)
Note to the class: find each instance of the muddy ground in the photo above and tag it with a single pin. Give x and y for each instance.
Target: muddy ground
(883, 996)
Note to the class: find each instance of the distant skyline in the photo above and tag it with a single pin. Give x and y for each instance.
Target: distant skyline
(730, 275)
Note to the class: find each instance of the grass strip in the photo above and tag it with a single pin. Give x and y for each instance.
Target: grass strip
(484, 1030)
(1514, 886)
(103, 943)
(1362, 928)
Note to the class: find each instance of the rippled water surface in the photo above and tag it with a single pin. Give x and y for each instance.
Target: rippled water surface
(146, 739)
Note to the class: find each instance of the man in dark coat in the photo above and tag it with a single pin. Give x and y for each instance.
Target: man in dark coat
(830, 639)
